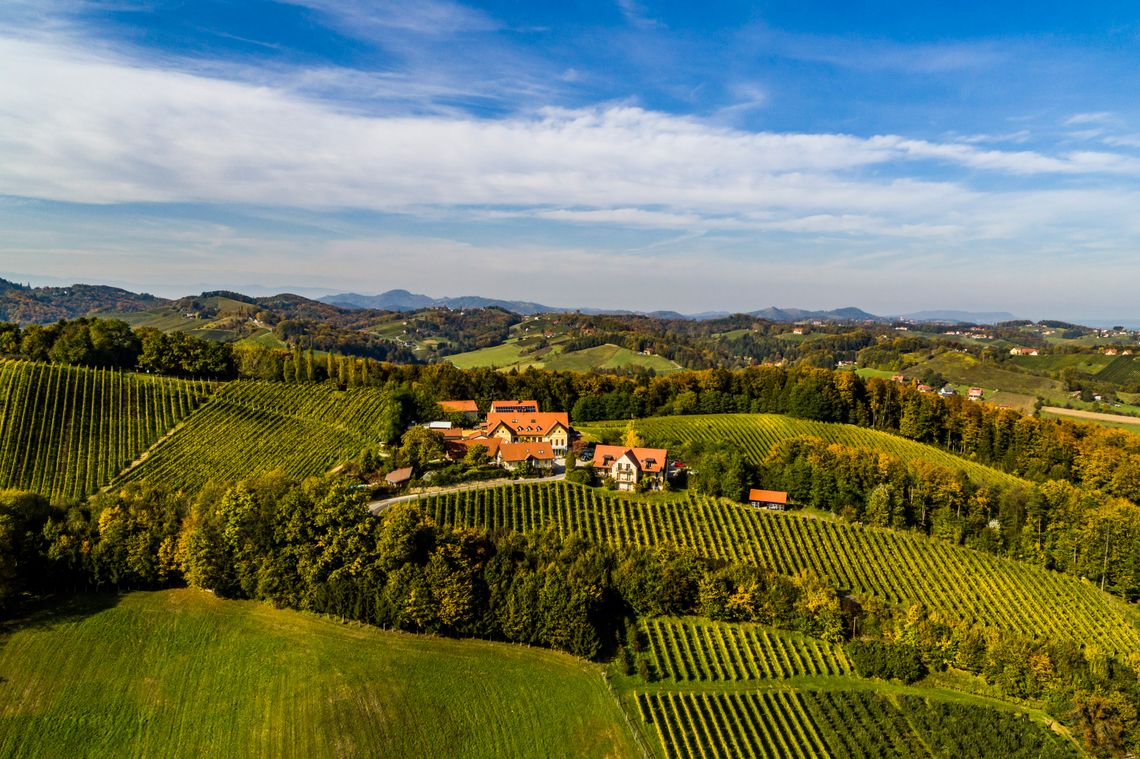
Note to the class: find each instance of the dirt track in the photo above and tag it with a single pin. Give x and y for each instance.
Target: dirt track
(1080, 414)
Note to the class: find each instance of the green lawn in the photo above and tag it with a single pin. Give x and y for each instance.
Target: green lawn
(182, 673)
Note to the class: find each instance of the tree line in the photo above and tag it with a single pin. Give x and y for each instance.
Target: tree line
(313, 546)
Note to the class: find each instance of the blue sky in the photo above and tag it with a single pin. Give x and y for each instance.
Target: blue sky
(724, 156)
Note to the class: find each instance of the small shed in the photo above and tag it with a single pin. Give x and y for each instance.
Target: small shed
(398, 477)
(776, 500)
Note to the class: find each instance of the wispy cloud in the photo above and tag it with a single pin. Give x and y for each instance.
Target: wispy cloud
(1097, 117)
(63, 136)
(375, 20)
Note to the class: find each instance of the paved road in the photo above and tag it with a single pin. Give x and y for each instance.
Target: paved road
(377, 506)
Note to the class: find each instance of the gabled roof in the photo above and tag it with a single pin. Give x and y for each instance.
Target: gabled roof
(516, 452)
(645, 459)
(767, 496)
(457, 449)
(513, 407)
(397, 476)
(459, 407)
(529, 424)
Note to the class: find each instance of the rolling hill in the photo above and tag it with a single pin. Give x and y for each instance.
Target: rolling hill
(755, 435)
(181, 673)
(898, 567)
(66, 431)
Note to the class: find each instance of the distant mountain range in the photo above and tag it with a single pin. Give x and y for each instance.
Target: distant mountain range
(403, 300)
(48, 304)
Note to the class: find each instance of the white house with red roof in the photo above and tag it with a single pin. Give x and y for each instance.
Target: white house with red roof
(629, 466)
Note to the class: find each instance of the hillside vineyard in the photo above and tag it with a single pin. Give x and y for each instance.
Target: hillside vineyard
(66, 431)
(894, 566)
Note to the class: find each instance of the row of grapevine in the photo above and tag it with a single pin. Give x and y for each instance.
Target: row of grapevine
(755, 435)
(250, 428)
(847, 724)
(67, 431)
(698, 650)
(764, 724)
(899, 567)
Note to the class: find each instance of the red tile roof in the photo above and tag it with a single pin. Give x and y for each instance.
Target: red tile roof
(529, 424)
(767, 496)
(457, 449)
(515, 452)
(398, 476)
(647, 459)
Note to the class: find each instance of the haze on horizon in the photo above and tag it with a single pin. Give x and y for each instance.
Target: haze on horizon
(614, 154)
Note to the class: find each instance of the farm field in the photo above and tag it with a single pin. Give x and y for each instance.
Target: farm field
(966, 370)
(510, 355)
(181, 673)
(249, 428)
(67, 431)
(898, 567)
(1130, 423)
(755, 435)
(700, 650)
(852, 724)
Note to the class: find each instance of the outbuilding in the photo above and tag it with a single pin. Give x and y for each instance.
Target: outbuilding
(775, 500)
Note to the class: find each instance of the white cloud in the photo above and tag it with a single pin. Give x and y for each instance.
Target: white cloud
(1088, 118)
(78, 127)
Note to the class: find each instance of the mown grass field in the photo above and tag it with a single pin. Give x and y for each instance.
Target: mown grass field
(510, 355)
(181, 673)
(963, 369)
(755, 435)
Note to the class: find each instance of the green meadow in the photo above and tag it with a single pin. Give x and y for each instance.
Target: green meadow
(181, 673)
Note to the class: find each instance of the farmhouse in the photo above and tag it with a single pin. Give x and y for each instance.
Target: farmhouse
(628, 466)
(1023, 351)
(467, 408)
(776, 500)
(513, 407)
(398, 477)
(976, 393)
(538, 455)
(552, 428)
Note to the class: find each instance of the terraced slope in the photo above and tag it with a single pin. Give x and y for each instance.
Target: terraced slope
(899, 567)
(702, 651)
(252, 427)
(67, 431)
(848, 724)
(755, 435)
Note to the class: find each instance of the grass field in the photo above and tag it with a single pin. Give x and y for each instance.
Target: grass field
(181, 673)
(510, 355)
(963, 369)
(756, 434)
